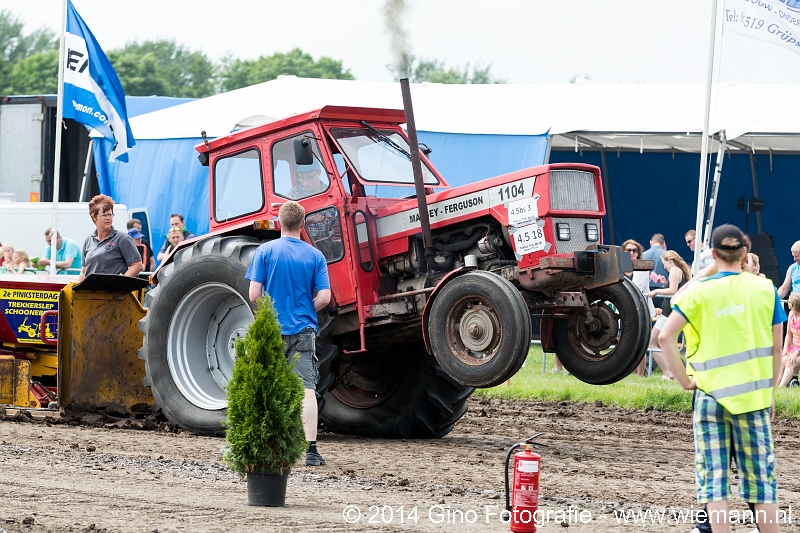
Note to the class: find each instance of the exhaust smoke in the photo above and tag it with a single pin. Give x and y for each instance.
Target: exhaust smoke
(393, 13)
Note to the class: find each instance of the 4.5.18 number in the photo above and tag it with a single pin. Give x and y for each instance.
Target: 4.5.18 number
(526, 236)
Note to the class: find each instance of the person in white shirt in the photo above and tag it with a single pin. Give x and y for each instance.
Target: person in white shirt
(705, 252)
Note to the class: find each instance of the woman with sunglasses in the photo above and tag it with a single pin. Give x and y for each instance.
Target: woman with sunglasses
(108, 251)
(639, 278)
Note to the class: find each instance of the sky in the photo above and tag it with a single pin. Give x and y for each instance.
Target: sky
(532, 41)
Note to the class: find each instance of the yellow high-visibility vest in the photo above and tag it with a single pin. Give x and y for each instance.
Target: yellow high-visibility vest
(731, 319)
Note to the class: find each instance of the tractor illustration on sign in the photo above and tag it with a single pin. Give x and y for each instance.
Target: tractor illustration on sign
(33, 330)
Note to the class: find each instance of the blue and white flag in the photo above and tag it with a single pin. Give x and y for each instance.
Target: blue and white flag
(773, 21)
(93, 94)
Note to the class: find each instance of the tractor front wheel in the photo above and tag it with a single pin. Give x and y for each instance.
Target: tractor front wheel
(479, 329)
(606, 343)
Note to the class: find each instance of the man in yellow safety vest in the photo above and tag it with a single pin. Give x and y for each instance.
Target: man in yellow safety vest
(738, 318)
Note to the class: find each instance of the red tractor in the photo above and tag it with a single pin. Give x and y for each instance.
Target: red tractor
(413, 328)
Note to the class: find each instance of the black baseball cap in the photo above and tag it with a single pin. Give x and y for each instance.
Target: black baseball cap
(727, 237)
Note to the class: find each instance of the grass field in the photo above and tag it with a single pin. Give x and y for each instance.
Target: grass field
(634, 392)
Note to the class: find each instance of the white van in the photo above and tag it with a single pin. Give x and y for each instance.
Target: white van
(23, 223)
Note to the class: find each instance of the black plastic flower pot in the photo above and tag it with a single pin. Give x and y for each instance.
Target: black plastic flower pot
(267, 488)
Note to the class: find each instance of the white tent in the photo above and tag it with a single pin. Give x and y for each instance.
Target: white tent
(624, 116)
(478, 131)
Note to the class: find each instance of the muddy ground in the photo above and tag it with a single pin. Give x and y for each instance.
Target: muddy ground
(601, 461)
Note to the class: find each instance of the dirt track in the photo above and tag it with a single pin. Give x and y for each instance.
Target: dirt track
(68, 478)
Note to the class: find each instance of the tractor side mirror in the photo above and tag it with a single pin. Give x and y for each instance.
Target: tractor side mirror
(302, 151)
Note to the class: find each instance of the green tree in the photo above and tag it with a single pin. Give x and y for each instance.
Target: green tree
(435, 71)
(577, 77)
(15, 46)
(136, 73)
(237, 73)
(35, 74)
(422, 69)
(264, 425)
(164, 68)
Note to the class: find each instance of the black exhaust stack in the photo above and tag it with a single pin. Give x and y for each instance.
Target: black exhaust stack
(416, 166)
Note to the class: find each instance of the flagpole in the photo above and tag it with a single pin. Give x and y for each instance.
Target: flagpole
(701, 188)
(59, 128)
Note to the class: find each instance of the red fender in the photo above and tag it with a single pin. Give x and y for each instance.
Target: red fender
(427, 311)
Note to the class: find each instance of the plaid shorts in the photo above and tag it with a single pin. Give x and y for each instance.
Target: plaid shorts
(714, 430)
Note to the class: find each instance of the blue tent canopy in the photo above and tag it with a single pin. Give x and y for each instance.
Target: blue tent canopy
(165, 175)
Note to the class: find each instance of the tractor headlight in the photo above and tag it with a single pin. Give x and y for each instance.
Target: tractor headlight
(563, 231)
(592, 232)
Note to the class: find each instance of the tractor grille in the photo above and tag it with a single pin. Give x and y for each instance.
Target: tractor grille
(577, 229)
(572, 190)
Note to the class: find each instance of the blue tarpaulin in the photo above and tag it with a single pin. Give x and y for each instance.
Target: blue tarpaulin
(165, 175)
(657, 193)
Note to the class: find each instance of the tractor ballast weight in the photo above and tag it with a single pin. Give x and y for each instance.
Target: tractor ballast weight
(99, 337)
(413, 327)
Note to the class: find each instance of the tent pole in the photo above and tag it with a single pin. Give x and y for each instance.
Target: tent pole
(712, 202)
(701, 186)
(86, 169)
(607, 187)
(754, 174)
(547, 149)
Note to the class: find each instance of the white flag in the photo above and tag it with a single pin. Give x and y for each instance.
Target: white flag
(774, 21)
(92, 92)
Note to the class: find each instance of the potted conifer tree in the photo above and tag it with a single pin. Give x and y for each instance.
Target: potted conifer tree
(264, 427)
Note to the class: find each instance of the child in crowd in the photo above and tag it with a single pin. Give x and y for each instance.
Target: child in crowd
(791, 346)
(753, 265)
(7, 259)
(20, 262)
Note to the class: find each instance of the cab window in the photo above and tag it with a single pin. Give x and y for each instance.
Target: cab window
(238, 185)
(324, 230)
(294, 181)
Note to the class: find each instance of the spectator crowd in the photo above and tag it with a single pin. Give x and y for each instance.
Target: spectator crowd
(71, 258)
(671, 274)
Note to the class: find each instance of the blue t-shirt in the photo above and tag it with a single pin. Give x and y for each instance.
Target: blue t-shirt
(795, 274)
(292, 272)
(778, 314)
(69, 248)
(655, 252)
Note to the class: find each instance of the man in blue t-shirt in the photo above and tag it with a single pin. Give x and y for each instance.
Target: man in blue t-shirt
(792, 282)
(291, 272)
(656, 250)
(68, 253)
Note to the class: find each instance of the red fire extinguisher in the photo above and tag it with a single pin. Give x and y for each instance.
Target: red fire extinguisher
(522, 501)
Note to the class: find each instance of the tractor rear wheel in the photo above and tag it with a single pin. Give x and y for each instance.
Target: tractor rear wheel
(198, 310)
(479, 329)
(326, 352)
(607, 346)
(397, 393)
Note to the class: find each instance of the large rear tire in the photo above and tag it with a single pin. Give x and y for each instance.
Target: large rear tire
(198, 310)
(610, 347)
(398, 393)
(326, 352)
(479, 329)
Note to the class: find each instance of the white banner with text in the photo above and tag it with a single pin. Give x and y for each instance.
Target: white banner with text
(774, 21)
